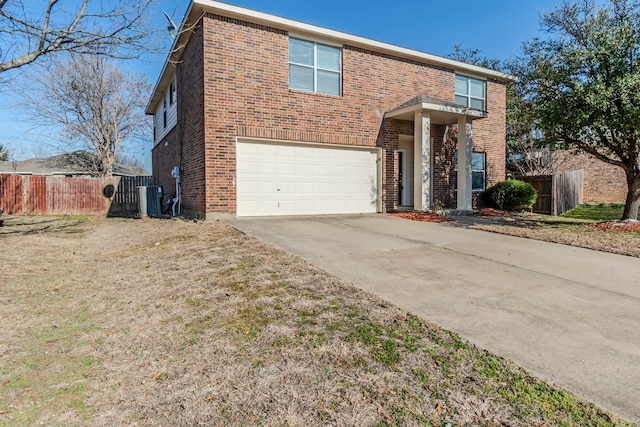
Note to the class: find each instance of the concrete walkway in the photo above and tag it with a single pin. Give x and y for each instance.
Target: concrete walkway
(570, 316)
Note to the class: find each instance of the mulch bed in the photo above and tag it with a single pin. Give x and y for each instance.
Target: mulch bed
(432, 217)
(628, 227)
(422, 216)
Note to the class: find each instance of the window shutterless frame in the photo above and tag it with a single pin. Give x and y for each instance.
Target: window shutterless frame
(315, 67)
(470, 92)
(478, 171)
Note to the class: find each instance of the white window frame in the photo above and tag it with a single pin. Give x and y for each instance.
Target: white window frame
(484, 170)
(166, 116)
(316, 68)
(164, 112)
(172, 92)
(468, 97)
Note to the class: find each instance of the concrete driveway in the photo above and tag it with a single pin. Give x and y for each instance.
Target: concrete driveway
(570, 316)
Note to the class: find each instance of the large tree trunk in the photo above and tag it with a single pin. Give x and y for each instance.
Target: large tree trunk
(633, 196)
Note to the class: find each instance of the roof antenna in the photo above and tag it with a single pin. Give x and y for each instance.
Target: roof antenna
(171, 27)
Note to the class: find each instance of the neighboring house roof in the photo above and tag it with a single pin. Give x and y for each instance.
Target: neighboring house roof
(76, 163)
(198, 7)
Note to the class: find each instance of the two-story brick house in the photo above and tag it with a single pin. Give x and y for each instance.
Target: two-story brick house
(270, 116)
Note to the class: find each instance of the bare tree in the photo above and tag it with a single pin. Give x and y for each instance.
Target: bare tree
(30, 31)
(130, 162)
(97, 106)
(526, 158)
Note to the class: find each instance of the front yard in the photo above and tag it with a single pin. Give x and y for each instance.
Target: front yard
(110, 322)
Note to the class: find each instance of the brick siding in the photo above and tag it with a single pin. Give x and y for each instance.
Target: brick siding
(233, 82)
(603, 183)
(184, 146)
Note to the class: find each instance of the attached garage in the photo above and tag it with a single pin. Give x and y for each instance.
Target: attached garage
(304, 179)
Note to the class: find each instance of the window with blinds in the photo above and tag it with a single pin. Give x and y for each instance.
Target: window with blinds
(314, 67)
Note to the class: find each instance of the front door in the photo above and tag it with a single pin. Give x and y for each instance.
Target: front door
(405, 172)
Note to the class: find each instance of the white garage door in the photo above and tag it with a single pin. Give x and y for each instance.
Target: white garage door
(286, 179)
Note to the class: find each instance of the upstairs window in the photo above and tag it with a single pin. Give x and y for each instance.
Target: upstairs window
(164, 112)
(470, 92)
(314, 67)
(172, 92)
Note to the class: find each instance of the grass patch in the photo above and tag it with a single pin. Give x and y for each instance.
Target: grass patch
(530, 397)
(597, 213)
(250, 321)
(48, 373)
(421, 375)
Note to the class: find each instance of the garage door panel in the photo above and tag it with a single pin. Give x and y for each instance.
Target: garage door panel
(266, 149)
(321, 170)
(321, 154)
(306, 206)
(304, 188)
(304, 169)
(338, 171)
(322, 188)
(267, 187)
(270, 207)
(287, 188)
(286, 168)
(248, 187)
(242, 149)
(296, 180)
(268, 168)
(248, 167)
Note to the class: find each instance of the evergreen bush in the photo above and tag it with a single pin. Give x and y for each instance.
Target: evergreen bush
(512, 195)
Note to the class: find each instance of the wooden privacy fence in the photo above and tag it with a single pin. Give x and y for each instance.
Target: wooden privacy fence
(59, 195)
(125, 201)
(557, 193)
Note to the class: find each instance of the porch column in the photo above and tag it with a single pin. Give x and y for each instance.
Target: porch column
(465, 176)
(422, 162)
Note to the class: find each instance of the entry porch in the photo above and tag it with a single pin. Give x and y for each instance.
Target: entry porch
(414, 173)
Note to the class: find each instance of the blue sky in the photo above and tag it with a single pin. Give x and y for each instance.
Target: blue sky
(496, 27)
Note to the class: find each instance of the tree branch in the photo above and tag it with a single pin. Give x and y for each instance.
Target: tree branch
(591, 150)
(118, 32)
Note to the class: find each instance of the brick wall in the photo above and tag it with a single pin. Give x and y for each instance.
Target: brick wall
(246, 93)
(184, 146)
(164, 157)
(388, 139)
(445, 145)
(603, 183)
(489, 135)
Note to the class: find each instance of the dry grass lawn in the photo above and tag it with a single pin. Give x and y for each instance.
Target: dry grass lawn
(566, 231)
(167, 322)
